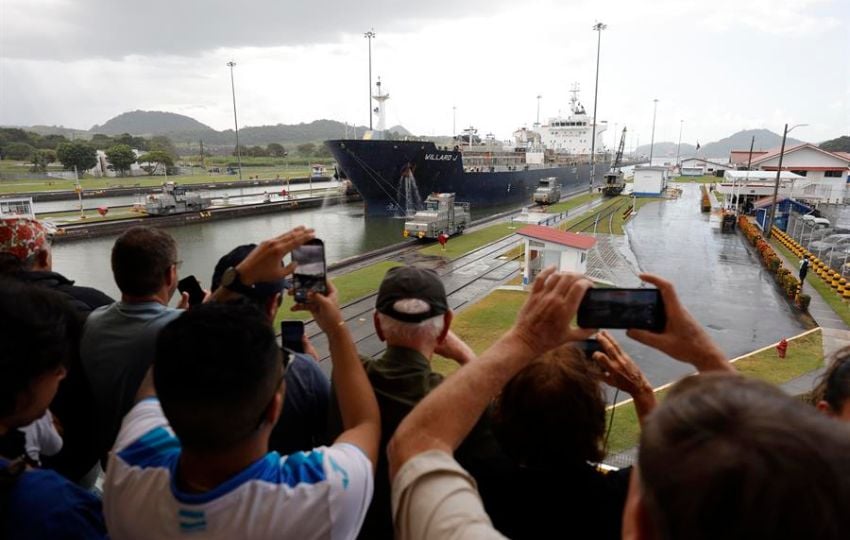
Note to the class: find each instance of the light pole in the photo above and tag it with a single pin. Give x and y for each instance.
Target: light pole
(454, 122)
(679, 146)
(768, 227)
(369, 35)
(231, 64)
(598, 28)
(538, 111)
(652, 137)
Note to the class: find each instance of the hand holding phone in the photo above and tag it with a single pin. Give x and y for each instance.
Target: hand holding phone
(310, 270)
(190, 285)
(622, 308)
(292, 335)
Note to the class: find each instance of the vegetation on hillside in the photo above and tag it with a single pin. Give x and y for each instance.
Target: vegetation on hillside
(839, 144)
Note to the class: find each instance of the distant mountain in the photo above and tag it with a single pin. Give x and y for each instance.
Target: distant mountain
(147, 123)
(839, 144)
(764, 140)
(70, 133)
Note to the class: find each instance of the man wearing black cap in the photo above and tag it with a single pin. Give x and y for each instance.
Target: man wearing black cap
(303, 421)
(412, 316)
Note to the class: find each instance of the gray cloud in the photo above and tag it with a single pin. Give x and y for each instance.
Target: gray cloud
(70, 30)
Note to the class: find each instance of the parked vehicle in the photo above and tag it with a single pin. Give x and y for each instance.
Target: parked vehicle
(819, 222)
(834, 241)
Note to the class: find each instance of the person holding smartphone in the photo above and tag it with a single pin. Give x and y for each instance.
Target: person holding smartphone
(305, 408)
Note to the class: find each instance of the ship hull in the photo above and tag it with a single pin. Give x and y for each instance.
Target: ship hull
(378, 170)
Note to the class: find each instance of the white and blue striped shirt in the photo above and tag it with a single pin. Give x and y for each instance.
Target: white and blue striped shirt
(323, 493)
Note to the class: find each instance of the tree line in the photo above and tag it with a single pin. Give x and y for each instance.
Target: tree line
(277, 150)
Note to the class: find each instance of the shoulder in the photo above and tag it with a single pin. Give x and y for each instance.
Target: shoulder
(434, 497)
(145, 435)
(46, 505)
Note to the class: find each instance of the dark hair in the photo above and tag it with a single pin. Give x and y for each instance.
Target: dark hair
(10, 264)
(141, 260)
(261, 292)
(834, 385)
(553, 411)
(217, 367)
(39, 332)
(729, 457)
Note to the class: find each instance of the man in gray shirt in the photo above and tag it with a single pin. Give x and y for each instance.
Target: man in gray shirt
(118, 340)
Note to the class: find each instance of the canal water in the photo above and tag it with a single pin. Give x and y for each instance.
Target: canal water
(345, 230)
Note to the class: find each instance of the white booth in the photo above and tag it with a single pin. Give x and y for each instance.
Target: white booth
(545, 246)
(649, 181)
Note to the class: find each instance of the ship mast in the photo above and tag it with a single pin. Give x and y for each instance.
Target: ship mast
(380, 110)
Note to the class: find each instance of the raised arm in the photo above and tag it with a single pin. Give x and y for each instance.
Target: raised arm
(620, 371)
(683, 338)
(448, 413)
(361, 419)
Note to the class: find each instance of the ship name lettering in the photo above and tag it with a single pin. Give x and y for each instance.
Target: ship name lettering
(438, 157)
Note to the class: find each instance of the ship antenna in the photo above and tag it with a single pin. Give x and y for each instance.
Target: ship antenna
(574, 89)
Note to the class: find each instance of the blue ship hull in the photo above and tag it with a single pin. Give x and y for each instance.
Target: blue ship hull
(378, 170)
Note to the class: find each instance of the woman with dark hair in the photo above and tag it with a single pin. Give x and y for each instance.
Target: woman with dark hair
(832, 394)
(39, 335)
(550, 420)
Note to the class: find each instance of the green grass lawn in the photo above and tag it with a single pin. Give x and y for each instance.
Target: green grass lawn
(482, 323)
(573, 202)
(351, 286)
(92, 183)
(468, 241)
(838, 305)
(92, 216)
(804, 355)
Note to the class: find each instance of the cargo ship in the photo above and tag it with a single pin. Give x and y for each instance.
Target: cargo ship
(395, 176)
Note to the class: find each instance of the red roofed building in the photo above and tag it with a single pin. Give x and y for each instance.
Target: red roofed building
(826, 172)
(545, 246)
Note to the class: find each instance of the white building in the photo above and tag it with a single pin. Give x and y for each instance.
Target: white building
(103, 166)
(826, 172)
(753, 185)
(546, 246)
(649, 181)
(705, 166)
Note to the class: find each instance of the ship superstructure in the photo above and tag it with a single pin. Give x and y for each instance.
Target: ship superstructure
(572, 135)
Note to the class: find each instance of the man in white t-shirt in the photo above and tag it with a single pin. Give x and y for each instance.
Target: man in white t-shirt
(193, 459)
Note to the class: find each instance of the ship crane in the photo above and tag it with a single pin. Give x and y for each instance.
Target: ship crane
(614, 182)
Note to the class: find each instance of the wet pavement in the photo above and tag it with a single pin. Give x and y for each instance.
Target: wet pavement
(718, 279)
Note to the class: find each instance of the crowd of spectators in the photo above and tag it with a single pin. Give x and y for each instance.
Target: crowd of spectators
(133, 419)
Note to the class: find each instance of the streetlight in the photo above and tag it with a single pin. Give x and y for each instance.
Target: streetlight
(454, 122)
(678, 146)
(598, 27)
(369, 35)
(231, 64)
(652, 138)
(538, 111)
(768, 227)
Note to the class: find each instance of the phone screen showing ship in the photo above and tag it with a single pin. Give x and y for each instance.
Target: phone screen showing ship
(310, 270)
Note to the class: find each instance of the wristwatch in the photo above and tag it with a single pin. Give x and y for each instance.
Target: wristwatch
(230, 281)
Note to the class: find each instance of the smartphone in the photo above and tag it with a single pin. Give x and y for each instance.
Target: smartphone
(589, 346)
(189, 284)
(622, 308)
(291, 335)
(310, 272)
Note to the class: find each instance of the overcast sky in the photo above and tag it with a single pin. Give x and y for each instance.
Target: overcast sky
(719, 65)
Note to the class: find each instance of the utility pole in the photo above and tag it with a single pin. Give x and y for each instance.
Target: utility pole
(598, 28)
(454, 122)
(536, 124)
(679, 146)
(652, 138)
(369, 35)
(750, 157)
(231, 65)
(203, 162)
(768, 227)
